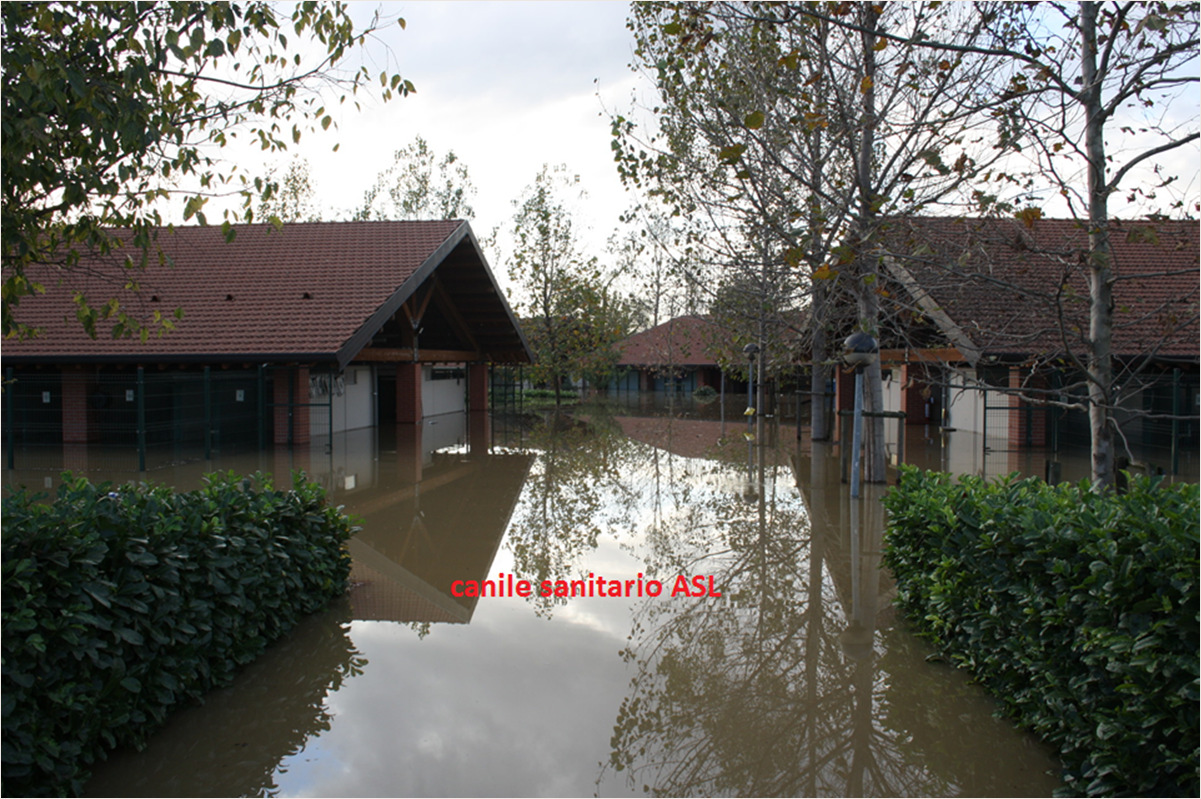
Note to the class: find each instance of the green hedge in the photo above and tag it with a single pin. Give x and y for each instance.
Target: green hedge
(121, 605)
(1079, 610)
(547, 393)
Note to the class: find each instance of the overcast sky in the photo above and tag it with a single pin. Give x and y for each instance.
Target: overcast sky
(508, 86)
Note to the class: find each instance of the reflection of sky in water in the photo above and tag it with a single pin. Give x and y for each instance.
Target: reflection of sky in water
(510, 705)
(523, 699)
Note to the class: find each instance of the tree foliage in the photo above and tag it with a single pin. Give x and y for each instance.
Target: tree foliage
(572, 319)
(1075, 78)
(419, 185)
(289, 197)
(798, 133)
(115, 112)
(788, 137)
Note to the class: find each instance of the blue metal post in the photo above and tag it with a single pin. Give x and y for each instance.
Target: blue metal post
(857, 435)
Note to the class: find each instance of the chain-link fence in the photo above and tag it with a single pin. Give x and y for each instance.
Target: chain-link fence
(148, 415)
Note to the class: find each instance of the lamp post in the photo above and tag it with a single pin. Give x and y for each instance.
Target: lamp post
(859, 350)
(750, 350)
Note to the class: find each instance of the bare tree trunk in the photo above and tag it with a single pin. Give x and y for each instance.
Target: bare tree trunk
(819, 300)
(867, 267)
(819, 429)
(1100, 266)
(873, 397)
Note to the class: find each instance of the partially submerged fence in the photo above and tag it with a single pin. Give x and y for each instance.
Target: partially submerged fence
(153, 415)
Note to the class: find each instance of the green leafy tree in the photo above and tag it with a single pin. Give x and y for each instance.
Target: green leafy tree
(110, 110)
(571, 317)
(290, 197)
(1078, 68)
(1085, 92)
(789, 139)
(419, 185)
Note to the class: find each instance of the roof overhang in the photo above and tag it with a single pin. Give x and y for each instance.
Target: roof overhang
(461, 243)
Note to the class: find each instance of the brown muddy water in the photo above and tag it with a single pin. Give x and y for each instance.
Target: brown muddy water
(797, 680)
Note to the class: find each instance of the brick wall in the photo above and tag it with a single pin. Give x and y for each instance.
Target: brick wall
(298, 378)
(79, 426)
(1027, 419)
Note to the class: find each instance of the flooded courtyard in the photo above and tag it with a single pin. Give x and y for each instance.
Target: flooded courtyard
(706, 615)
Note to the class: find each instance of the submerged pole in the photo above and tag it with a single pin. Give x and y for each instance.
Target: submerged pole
(857, 434)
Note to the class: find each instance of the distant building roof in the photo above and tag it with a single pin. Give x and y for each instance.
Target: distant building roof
(683, 341)
(312, 291)
(999, 286)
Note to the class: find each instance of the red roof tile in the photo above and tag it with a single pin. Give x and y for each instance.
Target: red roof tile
(683, 341)
(302, 292)
(1004, 285)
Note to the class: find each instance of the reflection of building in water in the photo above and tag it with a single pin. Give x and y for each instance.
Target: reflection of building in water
(782, 689)
(433, 519)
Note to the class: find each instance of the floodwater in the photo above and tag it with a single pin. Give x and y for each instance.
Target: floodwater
(797, 680)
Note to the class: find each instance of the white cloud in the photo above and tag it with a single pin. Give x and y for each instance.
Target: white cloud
(508, 86)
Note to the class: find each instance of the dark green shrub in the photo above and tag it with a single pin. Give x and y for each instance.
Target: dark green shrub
(1079, 610)
(119, 606)
(705, 394)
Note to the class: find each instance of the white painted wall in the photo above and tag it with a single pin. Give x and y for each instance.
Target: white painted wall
(353, 401)
(892, 390)
(966, 406)
(442, 396)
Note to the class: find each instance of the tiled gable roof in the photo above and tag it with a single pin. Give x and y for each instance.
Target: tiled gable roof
(1000, 287)
(307, 291)
(683, 341)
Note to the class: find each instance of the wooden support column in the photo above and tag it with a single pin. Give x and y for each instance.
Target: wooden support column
(477, 387)
(479, 432)
(410, 460)
(408, 393)
(844, 398)
(844, 389)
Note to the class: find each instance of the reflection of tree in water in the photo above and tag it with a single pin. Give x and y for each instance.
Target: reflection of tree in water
(926, 709)
(567, 502)
(758, 693)
(784, 686)
(273, 708)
